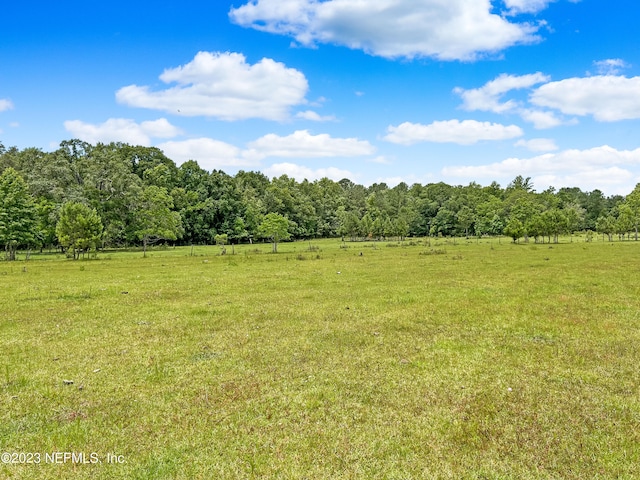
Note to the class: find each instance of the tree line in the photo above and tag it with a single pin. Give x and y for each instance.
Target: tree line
(83, 196)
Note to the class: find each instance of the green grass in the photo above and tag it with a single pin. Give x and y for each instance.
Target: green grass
(422, 360)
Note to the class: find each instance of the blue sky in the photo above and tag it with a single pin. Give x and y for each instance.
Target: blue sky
(376, 91)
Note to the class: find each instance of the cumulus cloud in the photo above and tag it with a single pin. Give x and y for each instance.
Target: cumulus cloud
(300, 172)
(466, 132)
(610, 66)
(302, 144)
(526, 6)
(604, 167)
(488, 97)
(214, 154)
(446, 30)
(538, 144)
(122, 130)
(5, 104)
(607, 98)
(224, 86)
(315, 116)
(542, 119)
(209, 153)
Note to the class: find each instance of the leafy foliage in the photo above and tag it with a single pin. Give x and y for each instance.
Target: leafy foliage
(156, 220)
(142, 197)
(79, 228)
(17, 213)
(275, 227)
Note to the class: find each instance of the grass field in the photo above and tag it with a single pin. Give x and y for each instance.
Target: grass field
(360, 360)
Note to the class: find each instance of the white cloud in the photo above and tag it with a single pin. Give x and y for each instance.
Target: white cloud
(466, 132)
(122, 130)
(605, 168)
(446, 30)
(538, 144)
(541, 119)
(214, 154)
(610, 66)
(210, 154)
(224, 86)
(300, 172)
(314, 116)
(487, 98)
(5, 104)
(301, 144)
(526, 6)
(608, 98)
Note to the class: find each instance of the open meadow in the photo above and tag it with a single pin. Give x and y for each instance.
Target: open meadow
(421, 359)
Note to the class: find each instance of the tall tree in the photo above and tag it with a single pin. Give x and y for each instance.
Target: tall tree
(633, 202)
(466, 218)
(17, 213)
(606, 225)
(520, 183)
(156, 220)
(47, 215)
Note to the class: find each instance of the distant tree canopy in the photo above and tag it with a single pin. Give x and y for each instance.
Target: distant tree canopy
(140, 196)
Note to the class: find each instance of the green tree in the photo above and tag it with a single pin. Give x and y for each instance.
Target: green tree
(366, 226)
(465, 217)
(349, 224)
(156, 220)
(47, 215)
(633, 202)
(444, 221)
(17, 213)
(388, 228)
(523, 205)
(239, 229)
(79, 228)
(606, 225)
(520, 183)
(488, 217)
(555, 223)
(274, 227)
(535, 227)
(514, 229)
(625, 222)
(401, 228)
(377, 228)
(574, 215)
